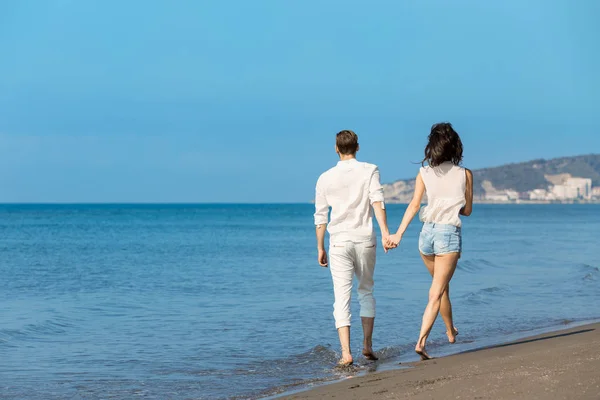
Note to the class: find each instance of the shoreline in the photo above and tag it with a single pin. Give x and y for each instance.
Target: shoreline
(517, 202)
(495, 202)
(557, 364)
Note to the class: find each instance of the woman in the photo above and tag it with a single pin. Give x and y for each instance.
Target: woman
(449, 189)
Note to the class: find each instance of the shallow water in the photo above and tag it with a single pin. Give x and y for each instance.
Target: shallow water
(220, 301)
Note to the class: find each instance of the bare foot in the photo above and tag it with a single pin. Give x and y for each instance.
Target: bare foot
(369, 354)
(452, 335)
(420, 350)
(346, 360)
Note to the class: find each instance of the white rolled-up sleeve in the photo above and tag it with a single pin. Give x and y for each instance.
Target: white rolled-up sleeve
(321, 205)
(375, 188)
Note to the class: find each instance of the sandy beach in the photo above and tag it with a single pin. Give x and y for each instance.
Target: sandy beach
(557, 365)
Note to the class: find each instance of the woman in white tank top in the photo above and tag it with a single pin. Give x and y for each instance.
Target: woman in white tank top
(449, 189)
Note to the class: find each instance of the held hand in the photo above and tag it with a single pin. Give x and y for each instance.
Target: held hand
(322, 257)
(385, 241)
(394, 240)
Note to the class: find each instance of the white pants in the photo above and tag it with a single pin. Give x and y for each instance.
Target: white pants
(345, 260)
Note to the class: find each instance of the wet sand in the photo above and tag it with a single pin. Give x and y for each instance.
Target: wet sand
(558, 365)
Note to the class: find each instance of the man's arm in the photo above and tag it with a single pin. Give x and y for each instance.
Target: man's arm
(322, 254)
(377, 201)
(321, 219)
(381, 216)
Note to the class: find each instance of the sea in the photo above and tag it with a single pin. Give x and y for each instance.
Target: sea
(228, 301)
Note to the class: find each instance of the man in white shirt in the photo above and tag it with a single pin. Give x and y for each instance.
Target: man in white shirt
(353, 191)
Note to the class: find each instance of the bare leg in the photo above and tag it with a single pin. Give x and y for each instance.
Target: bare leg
(368, 324)
(344, 333)
(444, 267)
(446, 312)
(446, 306)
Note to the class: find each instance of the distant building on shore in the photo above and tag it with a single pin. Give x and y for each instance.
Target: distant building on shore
(540, 195)
(567, 189)
(574, 188)
(564, 192)
(584, 187)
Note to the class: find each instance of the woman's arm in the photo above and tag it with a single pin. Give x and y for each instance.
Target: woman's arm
(412, 210)
(468, 208)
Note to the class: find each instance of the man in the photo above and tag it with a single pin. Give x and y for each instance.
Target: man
(353, 191)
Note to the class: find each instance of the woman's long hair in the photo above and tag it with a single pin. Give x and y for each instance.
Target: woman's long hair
(444, 145)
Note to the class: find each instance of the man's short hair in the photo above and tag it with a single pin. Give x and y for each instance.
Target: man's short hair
(347, 142)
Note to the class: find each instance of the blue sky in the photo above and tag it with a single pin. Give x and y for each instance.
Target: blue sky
(239, 101)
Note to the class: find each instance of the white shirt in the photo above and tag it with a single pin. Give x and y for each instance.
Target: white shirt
(349, 188)
(445, 186)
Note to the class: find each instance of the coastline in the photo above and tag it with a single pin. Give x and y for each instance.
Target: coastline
(515, 202)
(510, 203)
(560, 364)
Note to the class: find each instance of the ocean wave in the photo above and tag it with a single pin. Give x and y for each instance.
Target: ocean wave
(34, 331)
(322, 357)
(589, 272)
(485, 295)
(391, 352)
(475, 265)
(312, 367)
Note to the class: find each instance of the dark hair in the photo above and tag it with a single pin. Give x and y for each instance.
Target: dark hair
(346, 142)
(444, 145)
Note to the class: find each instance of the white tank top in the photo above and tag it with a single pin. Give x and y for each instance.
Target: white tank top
(445, 186)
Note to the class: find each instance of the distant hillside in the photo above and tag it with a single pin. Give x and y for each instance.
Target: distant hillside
(520, 179)
(531, 175)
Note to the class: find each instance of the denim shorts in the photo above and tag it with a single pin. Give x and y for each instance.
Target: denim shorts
(439, 239)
